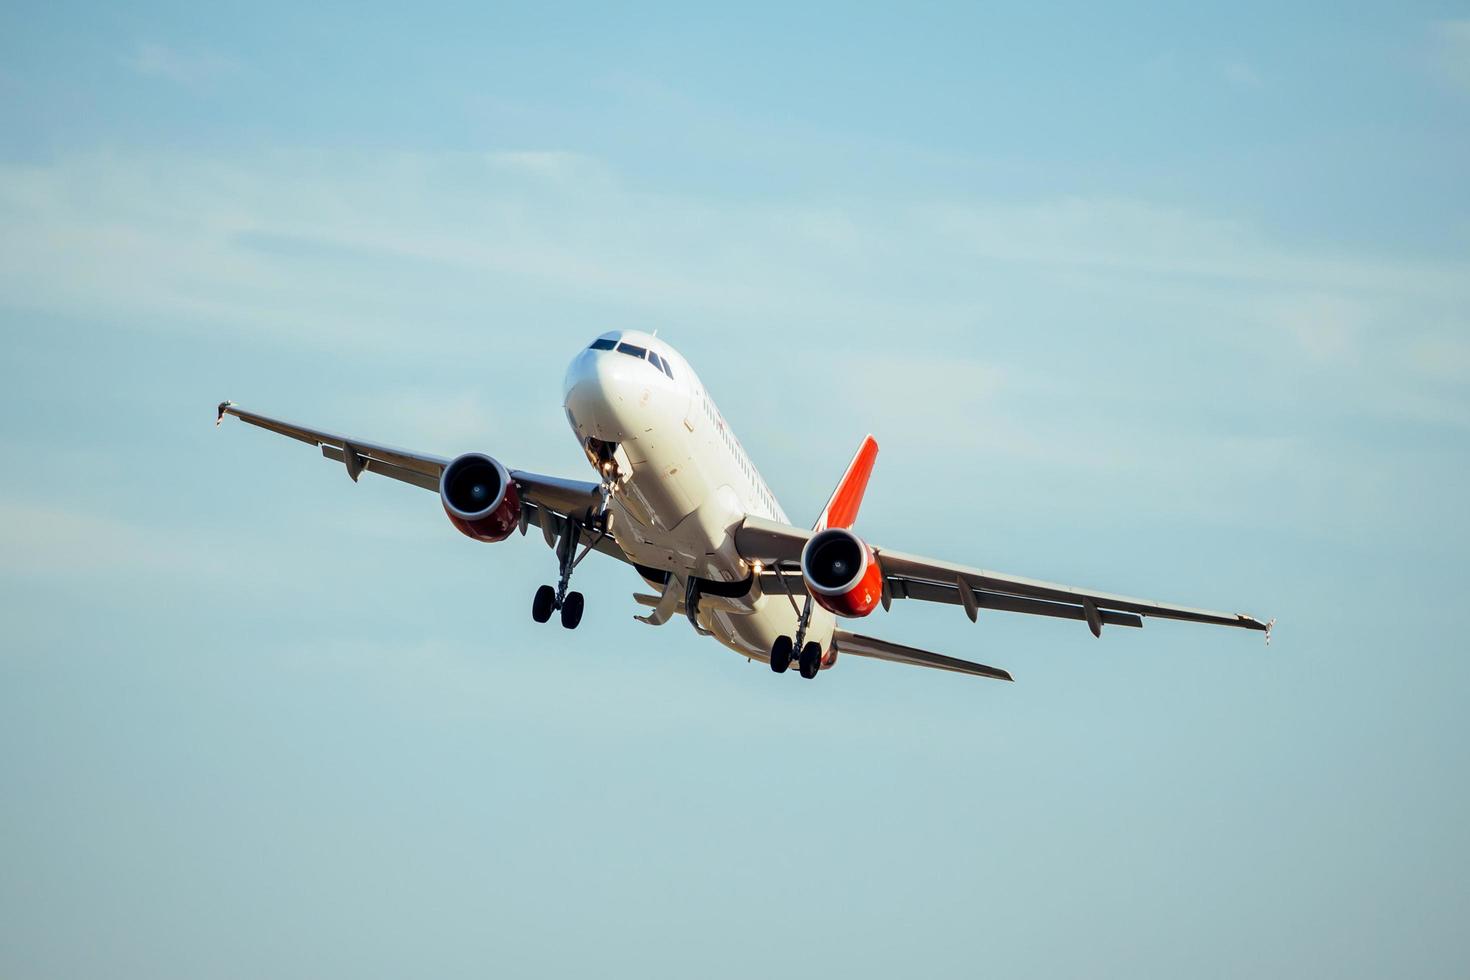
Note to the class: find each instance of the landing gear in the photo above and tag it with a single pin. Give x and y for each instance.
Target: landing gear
(781, 654)
(542, 605)
(571, 610)
(570, 603)
(810, 661)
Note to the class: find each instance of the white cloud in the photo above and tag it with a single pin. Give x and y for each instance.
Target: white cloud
(410, 252)
(48, 539)
(1452, 51)
(1150, 353)
(1442, 355)
(1327, 327)
(1241, 75)
(187, 68)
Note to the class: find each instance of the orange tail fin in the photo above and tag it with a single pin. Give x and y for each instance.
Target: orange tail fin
(842, 509)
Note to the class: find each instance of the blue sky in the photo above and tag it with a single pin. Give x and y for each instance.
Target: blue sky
(1169, 302)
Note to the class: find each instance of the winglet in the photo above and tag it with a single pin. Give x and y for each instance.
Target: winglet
(1269, 626)
(842, 508)
(220, 413)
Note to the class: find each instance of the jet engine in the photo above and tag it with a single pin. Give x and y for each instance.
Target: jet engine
(842, 572)
(480, 497)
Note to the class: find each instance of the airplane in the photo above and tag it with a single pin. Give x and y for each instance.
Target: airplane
(679, 500)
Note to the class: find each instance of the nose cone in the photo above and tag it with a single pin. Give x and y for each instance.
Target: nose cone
(602, 391)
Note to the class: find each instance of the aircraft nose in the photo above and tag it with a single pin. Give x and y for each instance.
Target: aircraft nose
(595, 388)
(582, 370)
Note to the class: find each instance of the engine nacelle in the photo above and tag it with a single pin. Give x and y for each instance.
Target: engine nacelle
(842, 573)
(480, 497)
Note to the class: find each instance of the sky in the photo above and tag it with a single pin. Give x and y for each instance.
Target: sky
(1161, 300)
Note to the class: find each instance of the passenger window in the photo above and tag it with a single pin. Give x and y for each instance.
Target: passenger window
(603, 344)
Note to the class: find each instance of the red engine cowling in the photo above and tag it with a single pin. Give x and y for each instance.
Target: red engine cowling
(842, 573)
(480, 497)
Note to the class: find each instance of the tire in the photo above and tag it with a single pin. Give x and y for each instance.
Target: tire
(541, 605)
(811, 660)
(571, 610)
(781, 654)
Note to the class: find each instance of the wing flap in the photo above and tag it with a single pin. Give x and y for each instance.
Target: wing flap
(875, 649)
(384, 468)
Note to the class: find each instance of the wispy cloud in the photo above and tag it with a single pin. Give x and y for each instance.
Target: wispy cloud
(402, 253)
(187, 68)
(48, 539)
(1451, 55)
(1242, 75)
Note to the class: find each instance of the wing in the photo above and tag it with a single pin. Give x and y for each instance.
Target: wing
(544, 494)
(913, 577)
(867, 646)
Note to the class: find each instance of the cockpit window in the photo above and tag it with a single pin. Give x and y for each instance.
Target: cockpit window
(603, 344)
(663, 362)
(633, 350)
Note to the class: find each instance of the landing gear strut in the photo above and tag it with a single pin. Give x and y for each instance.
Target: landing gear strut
(570, 603)
(809, 658)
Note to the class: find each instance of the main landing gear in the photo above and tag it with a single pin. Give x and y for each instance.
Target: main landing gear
(809, 660)
(545, 603)
(570, 603)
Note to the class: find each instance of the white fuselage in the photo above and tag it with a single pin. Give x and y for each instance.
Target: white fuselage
(682, 483)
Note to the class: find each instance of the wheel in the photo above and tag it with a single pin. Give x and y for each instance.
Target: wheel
(781, 654)
(571, 610)
(811, 660)
(541, 605)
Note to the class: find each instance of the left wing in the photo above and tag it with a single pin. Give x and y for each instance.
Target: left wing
(573, 499)
(913, 577)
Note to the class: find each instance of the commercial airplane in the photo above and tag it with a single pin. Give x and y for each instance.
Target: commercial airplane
(678, 499)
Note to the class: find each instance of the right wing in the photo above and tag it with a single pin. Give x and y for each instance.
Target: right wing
(933, 580)
(867, 646)
(560, 498)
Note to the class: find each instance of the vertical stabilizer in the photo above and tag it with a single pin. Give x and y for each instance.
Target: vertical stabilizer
(842, 509)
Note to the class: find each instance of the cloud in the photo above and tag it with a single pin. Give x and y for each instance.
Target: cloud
(1451, 56)
(191, 69)
(1241, 75)
(1327, 327)
(402, 253)
(1443, 355)
(270, 242)
(548, 164)
(1190, 363)
(44, 539)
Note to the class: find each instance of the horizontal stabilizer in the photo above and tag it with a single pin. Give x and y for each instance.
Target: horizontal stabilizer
(867, 646)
